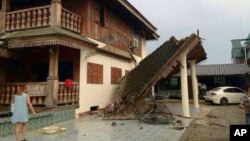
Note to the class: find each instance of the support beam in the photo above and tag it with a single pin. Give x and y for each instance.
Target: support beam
(52, 80)
(194, 83)
(184, 86)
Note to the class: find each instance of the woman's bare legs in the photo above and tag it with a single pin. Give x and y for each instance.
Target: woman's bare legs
(17, 129)
(24, 129)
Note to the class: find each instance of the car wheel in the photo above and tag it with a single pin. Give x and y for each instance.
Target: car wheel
(223, 101)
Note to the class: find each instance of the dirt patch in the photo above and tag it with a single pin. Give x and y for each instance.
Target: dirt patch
(213, 122)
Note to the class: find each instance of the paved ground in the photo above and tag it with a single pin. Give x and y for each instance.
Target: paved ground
(92, 128)
(210, 124)
(213, 122)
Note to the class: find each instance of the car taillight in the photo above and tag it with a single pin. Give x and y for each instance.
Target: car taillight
(213, 93)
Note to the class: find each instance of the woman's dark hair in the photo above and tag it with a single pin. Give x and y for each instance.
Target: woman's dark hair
(21, 89)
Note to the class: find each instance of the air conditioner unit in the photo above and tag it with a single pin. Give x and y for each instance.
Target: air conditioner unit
(134, 43)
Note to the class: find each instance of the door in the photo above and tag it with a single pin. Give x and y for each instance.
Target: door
(236, 95)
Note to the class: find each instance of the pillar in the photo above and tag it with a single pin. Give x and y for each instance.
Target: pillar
(153, 92)
(184, 86)
(194, 83)
(56, 12)
(3, 11)
(52, 80)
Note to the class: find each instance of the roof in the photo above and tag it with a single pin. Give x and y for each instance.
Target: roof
(158, 64)
(51, 30)
(220, 70)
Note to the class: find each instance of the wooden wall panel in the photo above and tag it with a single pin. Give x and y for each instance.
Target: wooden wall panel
(116, 31)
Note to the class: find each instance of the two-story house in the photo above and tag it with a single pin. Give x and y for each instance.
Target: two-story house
(92, 42)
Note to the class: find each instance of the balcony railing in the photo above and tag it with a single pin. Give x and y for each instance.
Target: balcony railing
(38, 92)
(68, 95)
(28, 18)
(70, 20)
(40, 17)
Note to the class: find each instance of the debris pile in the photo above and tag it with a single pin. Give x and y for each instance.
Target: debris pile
(133, 98)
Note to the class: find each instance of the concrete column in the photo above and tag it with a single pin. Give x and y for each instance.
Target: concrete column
(153, 92)
(53, 80)
(194, 83)
(184, 86)
(56, 12)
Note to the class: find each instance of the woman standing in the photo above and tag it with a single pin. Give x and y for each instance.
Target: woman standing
(20, 114)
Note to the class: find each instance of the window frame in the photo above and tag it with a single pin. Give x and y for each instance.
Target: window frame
(94, 73)
(115, 80)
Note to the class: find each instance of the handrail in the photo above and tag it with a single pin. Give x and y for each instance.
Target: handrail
(29, 9)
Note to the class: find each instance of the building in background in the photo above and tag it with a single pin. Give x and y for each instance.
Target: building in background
(210, 75)
(241, 50)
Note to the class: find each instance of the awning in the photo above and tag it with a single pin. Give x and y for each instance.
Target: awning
(52, 35)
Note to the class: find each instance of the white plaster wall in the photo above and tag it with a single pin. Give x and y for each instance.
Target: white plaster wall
(99, 94)
(144, 49)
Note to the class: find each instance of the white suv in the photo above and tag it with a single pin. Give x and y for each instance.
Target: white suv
(224, 95)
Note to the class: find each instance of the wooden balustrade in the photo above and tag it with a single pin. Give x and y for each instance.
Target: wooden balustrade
(38, 91)
(28, 18)
(70, 20)
(40, 17)
(68, 95)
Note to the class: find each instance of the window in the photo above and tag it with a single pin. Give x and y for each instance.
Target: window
(102, 15)
(219, 80)
(94, 73)
(233, 90)
(229, 90)
(116, 74)
(173, 81)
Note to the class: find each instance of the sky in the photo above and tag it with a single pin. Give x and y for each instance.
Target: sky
(218, 21)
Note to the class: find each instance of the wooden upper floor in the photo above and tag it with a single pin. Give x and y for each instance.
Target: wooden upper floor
(114, 22)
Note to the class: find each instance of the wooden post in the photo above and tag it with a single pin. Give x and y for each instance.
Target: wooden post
(3, 12)
(56, 12)
(52, 80)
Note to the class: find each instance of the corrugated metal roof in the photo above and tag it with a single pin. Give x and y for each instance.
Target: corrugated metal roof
(51, 30)
(220, 69)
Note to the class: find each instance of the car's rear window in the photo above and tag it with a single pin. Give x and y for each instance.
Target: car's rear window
(216, 89)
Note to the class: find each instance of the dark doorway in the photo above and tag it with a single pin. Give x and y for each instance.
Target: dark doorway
(41, 71)
(65, 70)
